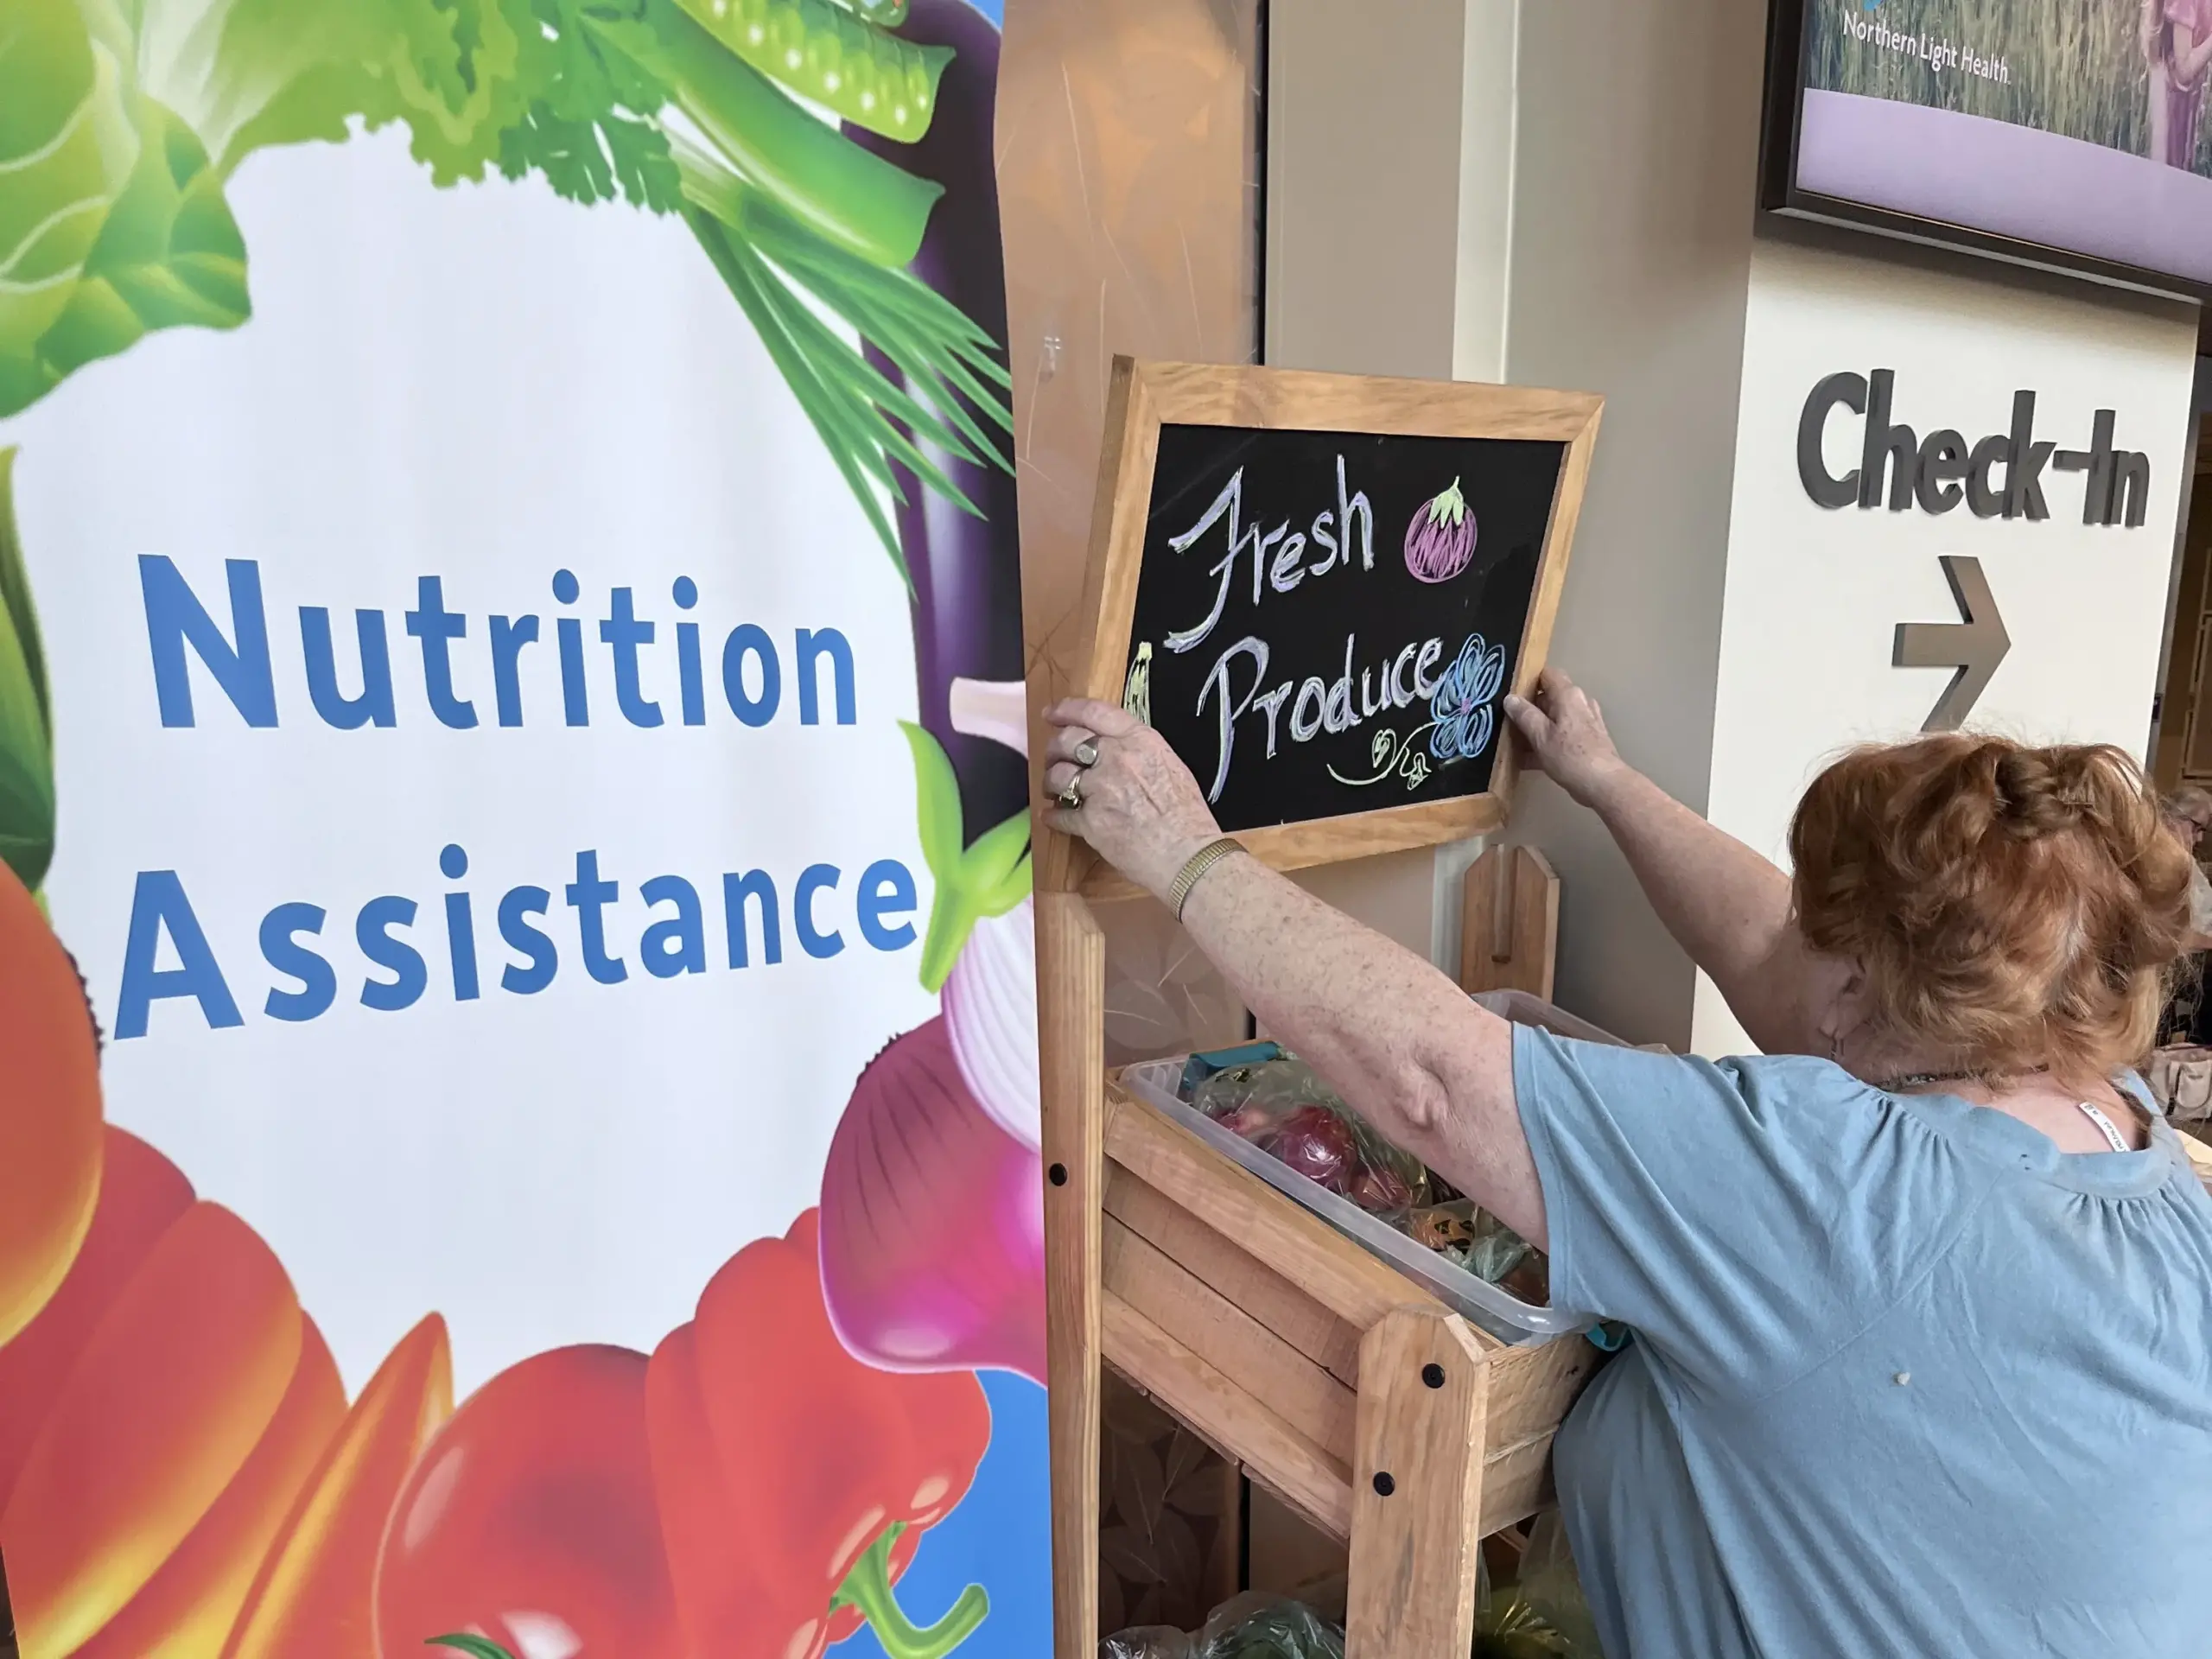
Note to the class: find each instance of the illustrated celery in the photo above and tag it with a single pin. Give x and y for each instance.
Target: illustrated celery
(121, 122)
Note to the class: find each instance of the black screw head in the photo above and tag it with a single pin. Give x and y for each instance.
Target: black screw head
(1057, 1174)
(1384, 1483)
(1433, 1374)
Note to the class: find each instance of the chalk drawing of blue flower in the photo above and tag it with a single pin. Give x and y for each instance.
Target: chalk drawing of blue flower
(1462, 704)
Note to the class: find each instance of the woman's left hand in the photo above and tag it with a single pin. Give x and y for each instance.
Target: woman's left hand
(1141, 811)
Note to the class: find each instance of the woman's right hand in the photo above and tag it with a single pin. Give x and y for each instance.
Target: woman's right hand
(1566, 737)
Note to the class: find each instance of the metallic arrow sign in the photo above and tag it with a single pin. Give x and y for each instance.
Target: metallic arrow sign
(1974, 646)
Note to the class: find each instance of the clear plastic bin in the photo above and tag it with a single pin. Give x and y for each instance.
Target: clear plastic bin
(1503, 1314)
(1496, 1311)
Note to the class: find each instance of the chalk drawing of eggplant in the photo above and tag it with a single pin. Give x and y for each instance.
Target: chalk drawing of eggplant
(1440, 541)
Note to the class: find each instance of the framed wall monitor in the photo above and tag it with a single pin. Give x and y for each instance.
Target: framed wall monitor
(2069, 135)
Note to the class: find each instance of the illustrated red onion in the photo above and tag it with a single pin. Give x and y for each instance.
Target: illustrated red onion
(1440, 541)
(990, 1012)
(932, 1222)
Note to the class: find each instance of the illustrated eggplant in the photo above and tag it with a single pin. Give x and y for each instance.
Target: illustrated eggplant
(1440, 541)
(966, 570)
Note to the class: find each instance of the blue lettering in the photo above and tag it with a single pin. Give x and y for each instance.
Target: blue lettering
(588, 896)
(686, 594)
(508, 636)
(812, 880)
(175, 616)
(437, 628)
(157, 904)
(812, 645)
(757, 886)
(461, 927)
(747, 638)
(372, 933)
(624, 633)
(544, 962)
(887, 889)
(347, 713)
(575, 701)
(284, 953)
(677, 945)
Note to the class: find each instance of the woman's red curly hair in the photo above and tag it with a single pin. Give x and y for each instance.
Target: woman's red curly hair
(2013, 908)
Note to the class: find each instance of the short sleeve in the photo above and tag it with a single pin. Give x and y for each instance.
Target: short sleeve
(1746, 1218)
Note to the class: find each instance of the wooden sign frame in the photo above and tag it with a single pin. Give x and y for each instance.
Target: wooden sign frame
(1144, 397)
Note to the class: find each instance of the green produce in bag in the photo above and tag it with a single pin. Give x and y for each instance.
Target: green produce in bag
(1262, 1627)
(1539, 1613)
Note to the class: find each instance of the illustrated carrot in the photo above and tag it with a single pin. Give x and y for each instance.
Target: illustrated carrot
(315, 1591)
(187, 1607)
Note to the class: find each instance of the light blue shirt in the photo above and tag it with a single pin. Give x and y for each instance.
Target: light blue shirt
(1907, 1379)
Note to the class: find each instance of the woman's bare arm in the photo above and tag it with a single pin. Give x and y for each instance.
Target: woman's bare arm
(1399, 1040)
(2191, 54)
(1726, 906)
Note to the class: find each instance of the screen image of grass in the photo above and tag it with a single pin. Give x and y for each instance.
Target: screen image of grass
(2075, 69)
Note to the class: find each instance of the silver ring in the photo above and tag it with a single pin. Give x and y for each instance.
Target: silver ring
(1086, 754)
(1071, 797)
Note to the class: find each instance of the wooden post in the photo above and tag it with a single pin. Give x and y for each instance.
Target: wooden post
(1509, 923)
(1072, 1061)
(1424, 1398)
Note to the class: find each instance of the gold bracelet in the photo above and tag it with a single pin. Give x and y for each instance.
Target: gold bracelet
(1178, 890)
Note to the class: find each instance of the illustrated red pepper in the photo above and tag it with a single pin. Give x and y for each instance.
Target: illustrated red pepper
(794, 1482)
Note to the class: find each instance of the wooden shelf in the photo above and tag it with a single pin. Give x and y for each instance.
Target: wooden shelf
(1335, 1382)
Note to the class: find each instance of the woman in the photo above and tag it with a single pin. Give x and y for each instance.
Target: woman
(2188, 812)
(2188, 815)
(2175, 39)
(1923, 1296)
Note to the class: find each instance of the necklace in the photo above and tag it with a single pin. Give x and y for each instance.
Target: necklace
(1921, 1079)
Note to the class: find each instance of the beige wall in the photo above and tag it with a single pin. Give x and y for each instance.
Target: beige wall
(1368, 190)
(1621, 266)
(1735, 633)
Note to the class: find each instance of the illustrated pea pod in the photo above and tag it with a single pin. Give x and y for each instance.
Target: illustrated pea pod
(835, 55)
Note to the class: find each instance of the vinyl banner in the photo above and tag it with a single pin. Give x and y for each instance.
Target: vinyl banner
(518, 1110)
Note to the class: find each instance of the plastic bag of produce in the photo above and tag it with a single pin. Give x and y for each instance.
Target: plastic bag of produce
(1554, 1590)
(1477, 1241)
(1280, 1107)
(1538, 1611)
(1268, 1627)
(1148, 1642)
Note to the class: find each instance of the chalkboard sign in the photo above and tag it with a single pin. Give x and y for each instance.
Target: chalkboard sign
(1319, 588)
(1326, 622)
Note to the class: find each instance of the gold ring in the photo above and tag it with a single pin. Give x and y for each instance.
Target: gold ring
(1071, 797)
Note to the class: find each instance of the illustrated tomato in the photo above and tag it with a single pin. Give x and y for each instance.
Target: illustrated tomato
(529, 1520)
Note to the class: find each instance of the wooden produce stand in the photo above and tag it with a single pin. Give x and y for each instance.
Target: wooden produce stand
(1337, 1383)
